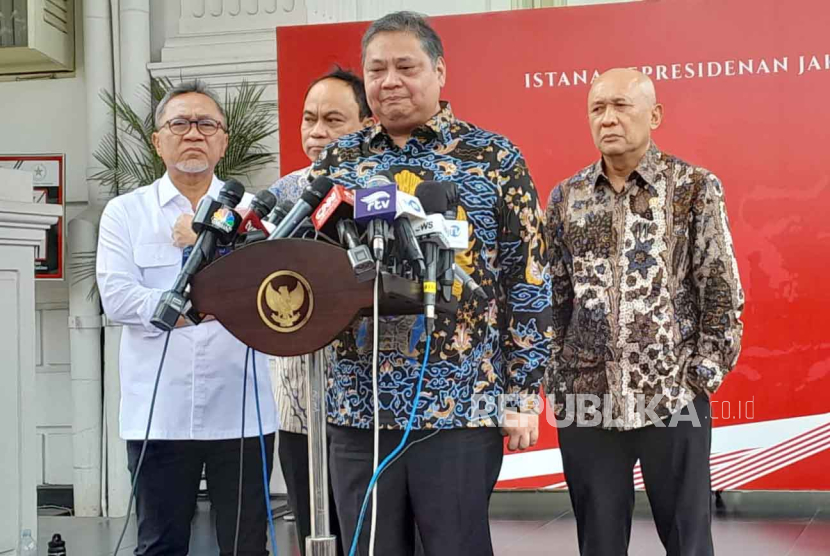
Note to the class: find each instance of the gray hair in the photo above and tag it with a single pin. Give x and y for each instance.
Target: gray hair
(195, 86)
(406, 22)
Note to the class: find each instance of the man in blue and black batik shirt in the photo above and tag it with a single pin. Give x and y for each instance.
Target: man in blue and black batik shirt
(490, 353)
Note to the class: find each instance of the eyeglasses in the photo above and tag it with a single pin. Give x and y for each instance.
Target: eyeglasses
(181, 126)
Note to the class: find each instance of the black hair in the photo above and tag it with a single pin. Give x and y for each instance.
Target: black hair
(353, 81)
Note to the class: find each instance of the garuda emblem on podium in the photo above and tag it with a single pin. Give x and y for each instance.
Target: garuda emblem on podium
(285, 301)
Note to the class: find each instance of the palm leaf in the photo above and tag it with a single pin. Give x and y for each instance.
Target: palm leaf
(127, 154)
(250, 122)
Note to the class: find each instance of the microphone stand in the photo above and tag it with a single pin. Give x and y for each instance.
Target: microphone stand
(220, 290)
(320, 542)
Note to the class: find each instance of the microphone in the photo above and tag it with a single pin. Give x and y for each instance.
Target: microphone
(446, 258)
(214, 221)
(408, 209)
(252, 217)
(405, 204)
(434, 228)
(450, 233)
(336, 206)
(468, 282)
(376, 208)
(359, 255)
(276, 215)
(377, 232)
(408, 244)
(309, 200)
(251, 220)
(449, 236)
(333, 218)
(434, 204)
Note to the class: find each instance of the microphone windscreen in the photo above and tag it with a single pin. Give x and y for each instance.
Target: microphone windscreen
(231, 193)
(315, 192)
(433, 196)
(263, 203)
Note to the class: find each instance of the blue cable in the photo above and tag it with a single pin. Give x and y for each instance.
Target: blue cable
(394, 452)
(266, 488)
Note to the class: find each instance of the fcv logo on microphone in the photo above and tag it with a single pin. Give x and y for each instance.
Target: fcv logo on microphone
(377, 201)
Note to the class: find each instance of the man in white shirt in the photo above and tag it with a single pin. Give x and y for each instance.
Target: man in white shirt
(197, 418)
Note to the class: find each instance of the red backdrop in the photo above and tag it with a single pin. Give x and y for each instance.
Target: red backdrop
(764, 133)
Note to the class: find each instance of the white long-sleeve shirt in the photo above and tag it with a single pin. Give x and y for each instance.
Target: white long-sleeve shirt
(200, 390)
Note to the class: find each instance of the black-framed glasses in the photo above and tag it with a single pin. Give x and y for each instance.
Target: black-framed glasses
(181, 126)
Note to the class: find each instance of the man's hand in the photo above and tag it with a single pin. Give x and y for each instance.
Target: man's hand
(521, 428)
(183, 234)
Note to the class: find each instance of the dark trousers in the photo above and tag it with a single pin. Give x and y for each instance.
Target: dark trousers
(169, 482)
(441, 485)
(599, 465)
(293, 452)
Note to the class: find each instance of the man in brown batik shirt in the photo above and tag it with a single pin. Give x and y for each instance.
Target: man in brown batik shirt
(646, 303)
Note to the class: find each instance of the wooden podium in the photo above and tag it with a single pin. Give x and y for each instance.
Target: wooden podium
(292, 297)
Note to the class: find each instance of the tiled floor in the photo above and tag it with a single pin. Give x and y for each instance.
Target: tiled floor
(536, 524)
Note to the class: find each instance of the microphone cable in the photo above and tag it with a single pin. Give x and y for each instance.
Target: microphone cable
(143, 444)
(266, 489)
(376, 448)
(241, 456)
(393, 455)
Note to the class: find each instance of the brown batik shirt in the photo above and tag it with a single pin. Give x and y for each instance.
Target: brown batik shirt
(646, 294)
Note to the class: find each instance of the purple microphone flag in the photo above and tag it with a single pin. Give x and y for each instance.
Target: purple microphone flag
(375, 203)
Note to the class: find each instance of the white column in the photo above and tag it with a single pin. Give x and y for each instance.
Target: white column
(98, 76)
(84, 312)
(134, 48)
(85, 350)
(117, 476)
(22, 228)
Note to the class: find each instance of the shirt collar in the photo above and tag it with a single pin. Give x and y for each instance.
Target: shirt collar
(168, 191)
(437, 127)
(646, 169)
